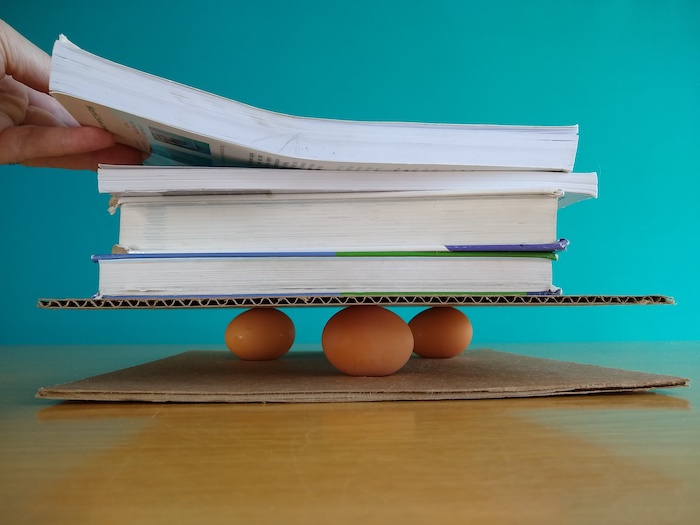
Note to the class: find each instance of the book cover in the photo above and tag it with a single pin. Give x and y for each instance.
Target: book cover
(464, 253)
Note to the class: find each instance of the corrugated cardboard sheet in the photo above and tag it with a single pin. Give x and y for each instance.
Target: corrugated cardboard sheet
(348, 300)
(218, 376)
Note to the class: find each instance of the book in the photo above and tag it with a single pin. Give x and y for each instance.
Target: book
(355, 221)
(120, 180)
(181, 125)
(294, 274)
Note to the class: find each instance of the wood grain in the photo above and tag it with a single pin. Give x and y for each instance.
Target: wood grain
(622, 458)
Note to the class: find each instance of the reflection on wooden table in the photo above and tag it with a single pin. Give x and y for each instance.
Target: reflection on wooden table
(623, 458)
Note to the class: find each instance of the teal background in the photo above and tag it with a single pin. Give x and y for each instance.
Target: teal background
(628, 72)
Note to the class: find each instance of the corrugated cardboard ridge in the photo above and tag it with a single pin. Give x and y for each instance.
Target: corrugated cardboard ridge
(348, 300)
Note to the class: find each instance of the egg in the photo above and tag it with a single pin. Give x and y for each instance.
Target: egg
(367, 340)
(260, 334)
(441, 332)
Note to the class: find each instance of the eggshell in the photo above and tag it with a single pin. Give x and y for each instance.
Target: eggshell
(367, 340)
(441, 332)
(260, 334)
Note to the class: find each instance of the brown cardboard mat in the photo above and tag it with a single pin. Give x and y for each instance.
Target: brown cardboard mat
(218, 376)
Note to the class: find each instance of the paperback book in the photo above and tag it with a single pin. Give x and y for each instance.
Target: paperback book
(181, 125)
(128, 180)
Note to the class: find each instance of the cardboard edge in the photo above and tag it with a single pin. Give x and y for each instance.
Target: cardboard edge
(590, 384)
(95, 303)
(319, 397)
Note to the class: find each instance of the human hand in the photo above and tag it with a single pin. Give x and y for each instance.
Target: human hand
(35, 130)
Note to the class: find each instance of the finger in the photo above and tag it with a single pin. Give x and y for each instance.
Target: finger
(23, 143)
(117, 154)
(53, 106)
(23, 60)
(14, 99)
(14, 96)
(39, 117)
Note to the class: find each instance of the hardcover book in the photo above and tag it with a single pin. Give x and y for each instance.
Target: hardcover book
(375, 221)
(330, 273)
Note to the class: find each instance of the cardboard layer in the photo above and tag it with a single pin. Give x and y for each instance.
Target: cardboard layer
(218, 376)
(347, 300)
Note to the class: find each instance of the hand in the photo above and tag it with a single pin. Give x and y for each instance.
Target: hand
(35, 130)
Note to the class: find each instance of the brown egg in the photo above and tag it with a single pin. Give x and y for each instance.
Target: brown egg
(260, 334)
(441, 332)
(367, 340)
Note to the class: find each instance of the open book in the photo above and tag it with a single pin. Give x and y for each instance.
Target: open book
(180, 125)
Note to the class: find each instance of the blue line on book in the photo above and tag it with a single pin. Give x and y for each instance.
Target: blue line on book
(559, 245)
(207, 255)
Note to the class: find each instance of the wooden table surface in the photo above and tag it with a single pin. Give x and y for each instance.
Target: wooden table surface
(619, 458)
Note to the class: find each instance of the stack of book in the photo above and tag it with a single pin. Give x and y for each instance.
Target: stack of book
(243, 201)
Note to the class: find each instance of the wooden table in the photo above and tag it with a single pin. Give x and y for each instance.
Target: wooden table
(621, 458)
